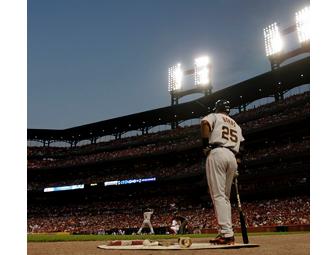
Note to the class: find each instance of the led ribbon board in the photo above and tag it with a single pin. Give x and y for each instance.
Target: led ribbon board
(130, 181)
(63, 188)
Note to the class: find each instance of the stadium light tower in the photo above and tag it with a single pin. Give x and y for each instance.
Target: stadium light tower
(202, 71)
(273, 43)
(302, 18)
(175, 76)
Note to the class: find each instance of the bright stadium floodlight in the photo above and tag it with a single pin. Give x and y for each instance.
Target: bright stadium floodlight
(302, 24)
(273, 40)
(175, 75)
(202, 71)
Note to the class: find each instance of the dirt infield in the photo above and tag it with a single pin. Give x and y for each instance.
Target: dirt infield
(294, 244)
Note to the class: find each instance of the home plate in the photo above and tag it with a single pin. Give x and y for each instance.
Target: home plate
(194, 246)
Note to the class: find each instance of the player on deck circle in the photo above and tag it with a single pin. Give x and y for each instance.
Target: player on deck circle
(147, 216)
(221, 137)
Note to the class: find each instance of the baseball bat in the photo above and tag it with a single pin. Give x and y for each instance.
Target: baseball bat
(241, 216)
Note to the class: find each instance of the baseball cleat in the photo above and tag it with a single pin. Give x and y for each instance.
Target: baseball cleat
(220, 239)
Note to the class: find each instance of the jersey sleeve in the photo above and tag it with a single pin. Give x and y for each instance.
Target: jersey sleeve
(242, 139)
(210, 119)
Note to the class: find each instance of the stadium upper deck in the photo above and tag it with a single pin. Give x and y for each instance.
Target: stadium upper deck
(277, 134)
(240, 95)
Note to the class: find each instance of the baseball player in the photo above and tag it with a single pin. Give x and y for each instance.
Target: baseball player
(182, 221)
(147, 216)
(179, 223)
(175, 226)
(221, 137)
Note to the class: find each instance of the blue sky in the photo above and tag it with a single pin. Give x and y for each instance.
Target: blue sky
(90, 60)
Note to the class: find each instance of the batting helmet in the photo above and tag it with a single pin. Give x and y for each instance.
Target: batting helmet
(222, 106)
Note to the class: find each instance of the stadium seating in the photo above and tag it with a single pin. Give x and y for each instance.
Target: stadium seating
(277, 164)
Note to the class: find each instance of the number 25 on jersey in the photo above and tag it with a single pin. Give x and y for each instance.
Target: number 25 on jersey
(229, 134)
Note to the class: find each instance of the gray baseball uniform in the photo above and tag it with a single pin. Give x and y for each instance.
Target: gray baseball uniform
(221, 166)
(146, 221)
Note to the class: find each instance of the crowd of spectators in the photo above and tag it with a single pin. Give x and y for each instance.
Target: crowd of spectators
(189, 165)
(166, 135)
(84, 177)
(276, 150)
(148, 149)
(275, 118)
(269, 109)
(101, 217)
(127, 213)
(265, 115)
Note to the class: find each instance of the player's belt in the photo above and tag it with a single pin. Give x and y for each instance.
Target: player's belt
(219, 145)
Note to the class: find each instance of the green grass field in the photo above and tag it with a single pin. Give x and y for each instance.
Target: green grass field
(67, 237)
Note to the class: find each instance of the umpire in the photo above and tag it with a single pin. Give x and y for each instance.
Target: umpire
(221, 137)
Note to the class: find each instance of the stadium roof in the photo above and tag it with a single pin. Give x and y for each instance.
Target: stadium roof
(262, 86)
